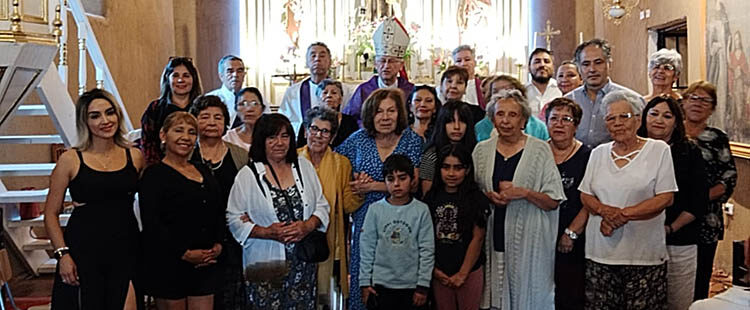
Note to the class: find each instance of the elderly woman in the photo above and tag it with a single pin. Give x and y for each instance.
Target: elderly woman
(96, 257)
(664, 67)
(453, 87)
(571, 156)
(225, 160)
(331, 93)
(423, 105)
(453, 127)
(662, 120)
(183, 222)
(335, 172)
(485, 128)
(699, 103)
(568, 77)
(180, 85)
(627, 185)
(282, 197)
(518, 174)
(385, 131)
(249, 107)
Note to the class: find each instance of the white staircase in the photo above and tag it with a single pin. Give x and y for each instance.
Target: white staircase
(34, 59)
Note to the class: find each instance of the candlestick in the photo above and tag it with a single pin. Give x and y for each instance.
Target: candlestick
(580, 37)
(535, 35)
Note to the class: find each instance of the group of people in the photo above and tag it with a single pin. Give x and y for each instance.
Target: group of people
(481, 193)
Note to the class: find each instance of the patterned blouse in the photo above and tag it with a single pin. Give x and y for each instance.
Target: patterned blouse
(720, 168)
(151, 122)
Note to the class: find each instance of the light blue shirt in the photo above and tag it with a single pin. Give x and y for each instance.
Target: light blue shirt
(534, 127)
(592, 130)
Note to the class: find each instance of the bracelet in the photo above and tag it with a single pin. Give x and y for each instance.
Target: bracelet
(59, 253)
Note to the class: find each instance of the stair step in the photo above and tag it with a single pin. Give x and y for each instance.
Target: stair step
(31, 110)
(31, 139)
(37, 195)
(47, 267)
(22, 170)
(38, 244)
(37, 222)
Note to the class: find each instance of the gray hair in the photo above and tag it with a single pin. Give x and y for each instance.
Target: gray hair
(632, 99)
(600, 43)
(223, 62)
(462, 48)
(324, 114)
(504, 94)
(324, 83)
(666, 56)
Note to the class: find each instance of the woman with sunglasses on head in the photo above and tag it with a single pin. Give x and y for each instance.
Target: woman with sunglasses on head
(250, 108)
(664, 67)
(180, 85)
(662, 120)
(699, 103)
(96, 256)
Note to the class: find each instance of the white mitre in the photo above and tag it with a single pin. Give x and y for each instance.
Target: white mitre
(390, 38)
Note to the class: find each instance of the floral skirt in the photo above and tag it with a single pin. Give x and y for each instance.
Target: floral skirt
(297, 289)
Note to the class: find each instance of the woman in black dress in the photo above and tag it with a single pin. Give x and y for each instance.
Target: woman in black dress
(224, 159)
(183, 222)
(571, 157)
(96, 256)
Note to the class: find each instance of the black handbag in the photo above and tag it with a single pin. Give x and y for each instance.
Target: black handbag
(313, 248)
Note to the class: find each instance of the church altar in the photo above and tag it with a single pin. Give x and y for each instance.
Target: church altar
(274, 36)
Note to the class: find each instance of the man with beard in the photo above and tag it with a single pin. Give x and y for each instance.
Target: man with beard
(542, 88)
(391, 41)
(464, 57)
(301, 96)
(593, 59)
(232, 74)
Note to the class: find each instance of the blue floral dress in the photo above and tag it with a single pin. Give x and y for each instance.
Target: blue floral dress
(362, 152)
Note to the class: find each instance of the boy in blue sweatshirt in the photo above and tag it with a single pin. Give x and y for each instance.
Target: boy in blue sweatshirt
(396, 244)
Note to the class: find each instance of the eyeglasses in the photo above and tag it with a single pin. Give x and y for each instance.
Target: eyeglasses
(325, 132)
(565, 120)
(245, 103)
(665, 67)
(697, 98)
(623, 117)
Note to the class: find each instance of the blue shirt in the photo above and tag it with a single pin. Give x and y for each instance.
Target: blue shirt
(592, 130)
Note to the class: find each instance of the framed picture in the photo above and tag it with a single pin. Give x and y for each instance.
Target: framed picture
(728, 67)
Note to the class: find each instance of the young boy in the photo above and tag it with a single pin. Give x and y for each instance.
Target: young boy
(397, 244)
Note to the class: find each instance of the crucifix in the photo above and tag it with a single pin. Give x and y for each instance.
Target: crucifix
(548, 34)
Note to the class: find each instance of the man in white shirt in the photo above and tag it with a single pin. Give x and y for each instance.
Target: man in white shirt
(464, 57)
(738, 296)
(542, 88)
(232, 74)
(301, 97)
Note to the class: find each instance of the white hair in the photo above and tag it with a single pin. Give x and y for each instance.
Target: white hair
(666, 56)
(621, 95)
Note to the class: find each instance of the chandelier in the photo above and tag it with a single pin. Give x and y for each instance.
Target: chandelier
(616, 10)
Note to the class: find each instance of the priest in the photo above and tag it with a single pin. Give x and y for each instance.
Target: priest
(301, 96)
(391, 41)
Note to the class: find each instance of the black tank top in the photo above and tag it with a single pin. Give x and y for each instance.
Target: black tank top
(91, 186)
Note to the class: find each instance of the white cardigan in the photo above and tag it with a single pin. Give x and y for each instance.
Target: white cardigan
(247, 197)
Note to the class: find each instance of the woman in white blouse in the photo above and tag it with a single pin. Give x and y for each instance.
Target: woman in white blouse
(275, 202)
(627, 185)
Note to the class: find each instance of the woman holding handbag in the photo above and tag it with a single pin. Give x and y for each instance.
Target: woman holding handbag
(278, 213)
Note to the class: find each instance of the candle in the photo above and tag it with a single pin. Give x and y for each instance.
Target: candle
(580, 37)
(535, 35)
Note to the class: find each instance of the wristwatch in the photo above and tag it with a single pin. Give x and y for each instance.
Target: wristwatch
(571, 234)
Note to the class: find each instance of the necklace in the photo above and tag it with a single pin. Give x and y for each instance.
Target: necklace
(629, 156)
(107, 159)
(209, 163)
(568, 154)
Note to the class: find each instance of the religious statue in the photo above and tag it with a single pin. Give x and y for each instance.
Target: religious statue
(472, 17)
(291, 23)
